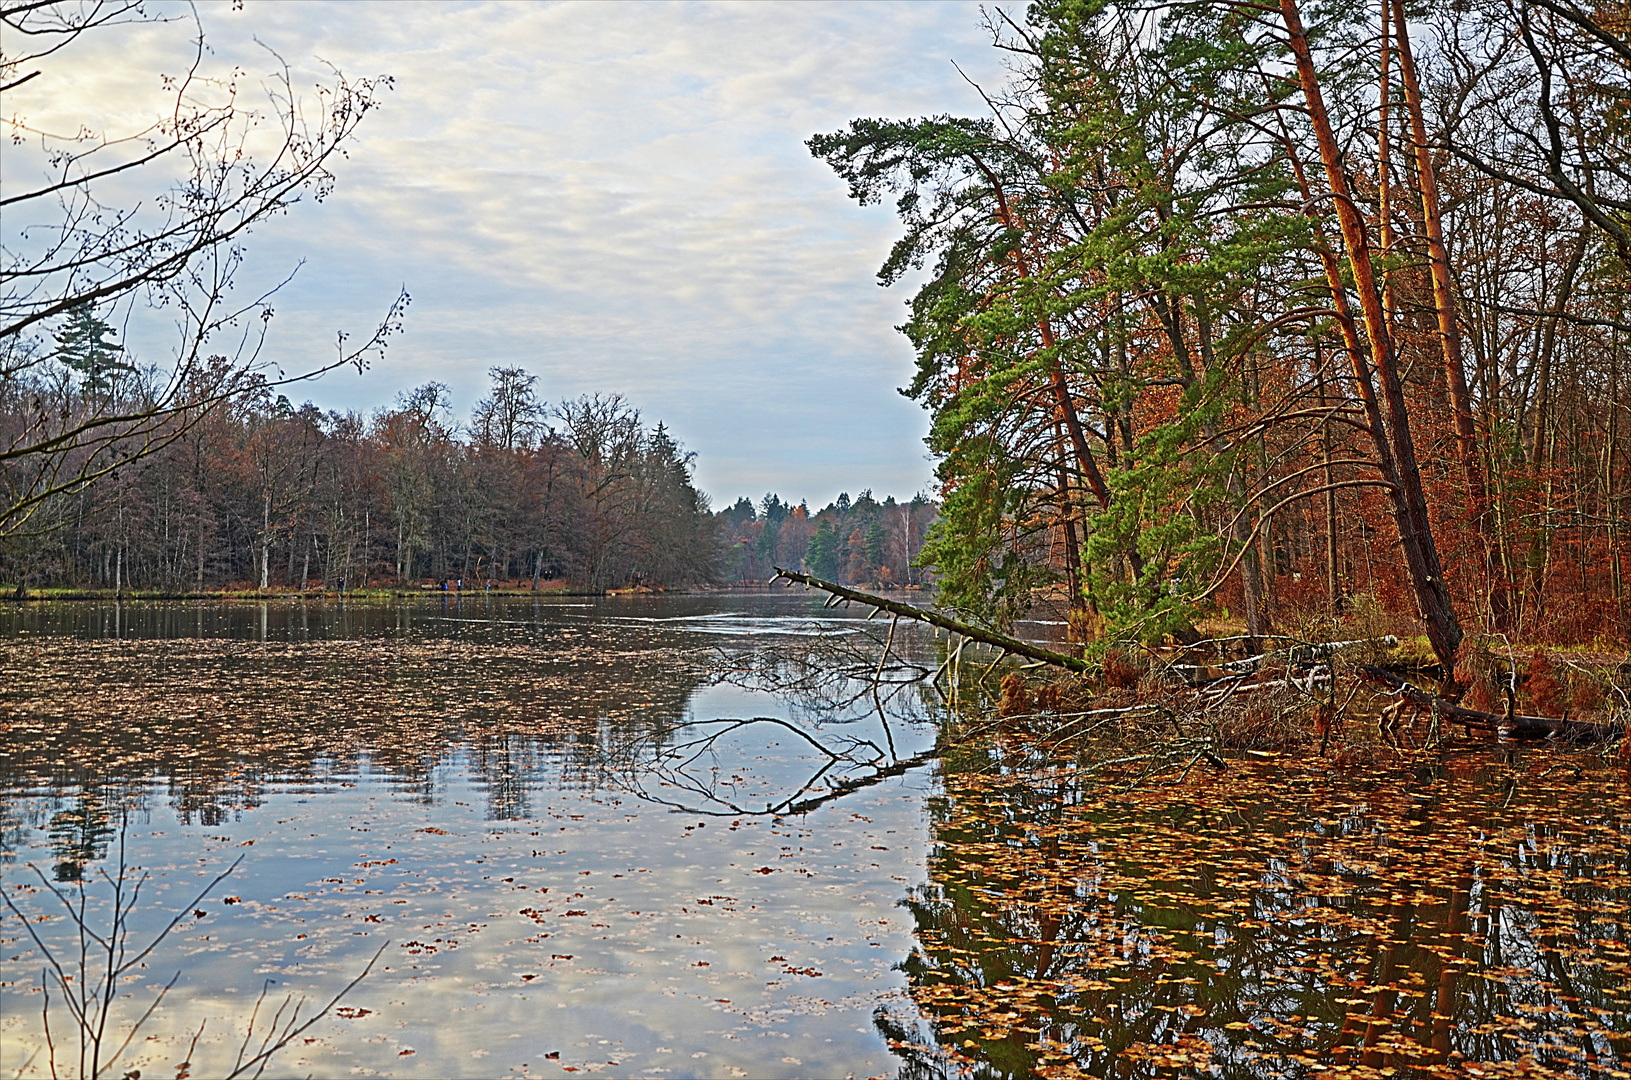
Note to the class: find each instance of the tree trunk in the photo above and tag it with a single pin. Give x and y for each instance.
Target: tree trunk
(1394, 443)
(266, 540)
(1449, 329)
(1333, 588)
(1611, 502)
(1067, 522)
(1251, 571)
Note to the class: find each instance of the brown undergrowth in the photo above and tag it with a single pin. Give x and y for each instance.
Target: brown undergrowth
(1141, 714)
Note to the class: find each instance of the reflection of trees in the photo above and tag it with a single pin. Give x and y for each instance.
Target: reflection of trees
(220, 722)
(1252, 928)
(847, 692)
(504, 762)
(80, 834)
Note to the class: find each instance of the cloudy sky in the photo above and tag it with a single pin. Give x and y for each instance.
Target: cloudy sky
(615, 197)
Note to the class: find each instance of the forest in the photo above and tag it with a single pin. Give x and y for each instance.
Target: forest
(855, 542)
(1223, 315)
(256, 493)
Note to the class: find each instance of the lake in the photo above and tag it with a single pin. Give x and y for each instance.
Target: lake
(448, 776)
(569, 824)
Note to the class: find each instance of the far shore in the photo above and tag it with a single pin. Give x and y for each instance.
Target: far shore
(10, 593)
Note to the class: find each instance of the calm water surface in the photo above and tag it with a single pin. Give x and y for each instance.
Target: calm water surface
(462, 780)
(551, 815)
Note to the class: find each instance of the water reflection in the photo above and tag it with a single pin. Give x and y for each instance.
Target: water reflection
(454, 774)
(101, 695)
(444, 774)
(1275, 921)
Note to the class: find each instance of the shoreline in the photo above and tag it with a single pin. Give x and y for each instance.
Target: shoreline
(9, 593)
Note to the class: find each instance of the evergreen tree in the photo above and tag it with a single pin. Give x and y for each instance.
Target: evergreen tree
(821, 558)
(82, 347)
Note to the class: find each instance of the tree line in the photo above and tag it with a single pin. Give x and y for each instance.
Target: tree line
(1230, 313)
(256, 492)
(853, 542)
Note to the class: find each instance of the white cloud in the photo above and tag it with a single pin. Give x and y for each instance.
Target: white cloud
(615, 196)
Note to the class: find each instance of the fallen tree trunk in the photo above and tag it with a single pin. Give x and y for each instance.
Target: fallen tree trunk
(1304, 653)
(935, 618)
(1515, 726)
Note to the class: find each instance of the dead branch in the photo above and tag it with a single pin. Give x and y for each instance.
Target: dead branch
(1513, 725)
(935, 618)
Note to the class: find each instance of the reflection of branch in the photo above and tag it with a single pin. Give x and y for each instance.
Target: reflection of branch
(671, 764)
(877, 703)
(854, 784)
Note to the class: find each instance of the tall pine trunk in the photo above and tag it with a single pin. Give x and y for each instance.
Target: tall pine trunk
(1396, 451)
(1449, 329)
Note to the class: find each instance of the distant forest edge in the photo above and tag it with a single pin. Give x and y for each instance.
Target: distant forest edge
(258, 493)
(859, 542)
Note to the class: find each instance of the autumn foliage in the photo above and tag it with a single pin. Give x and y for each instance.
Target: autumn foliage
(1213, 330)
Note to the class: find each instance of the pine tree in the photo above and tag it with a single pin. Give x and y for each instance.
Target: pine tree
(821, 557)
(82, 347)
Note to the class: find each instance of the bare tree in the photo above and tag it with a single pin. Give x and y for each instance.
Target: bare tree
(512, 416)
(78, 242)
(1544, 84)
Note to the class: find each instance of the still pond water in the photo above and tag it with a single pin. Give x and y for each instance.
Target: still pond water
(514, 799)
(443, 776)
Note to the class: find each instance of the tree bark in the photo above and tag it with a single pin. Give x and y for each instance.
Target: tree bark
(1449, 329)
(1408, 500)
(935, 618)
(1333, 587)
(266, 539)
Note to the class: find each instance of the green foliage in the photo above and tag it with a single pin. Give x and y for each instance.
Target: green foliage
(83, 348)
(822, 555)
(79, 835)
(1122, 223)
(1161, 509)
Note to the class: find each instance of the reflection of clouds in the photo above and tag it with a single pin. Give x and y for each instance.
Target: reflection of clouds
(616, 197)
(446, 821)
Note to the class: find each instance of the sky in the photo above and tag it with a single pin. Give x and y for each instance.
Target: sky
(615, 197)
